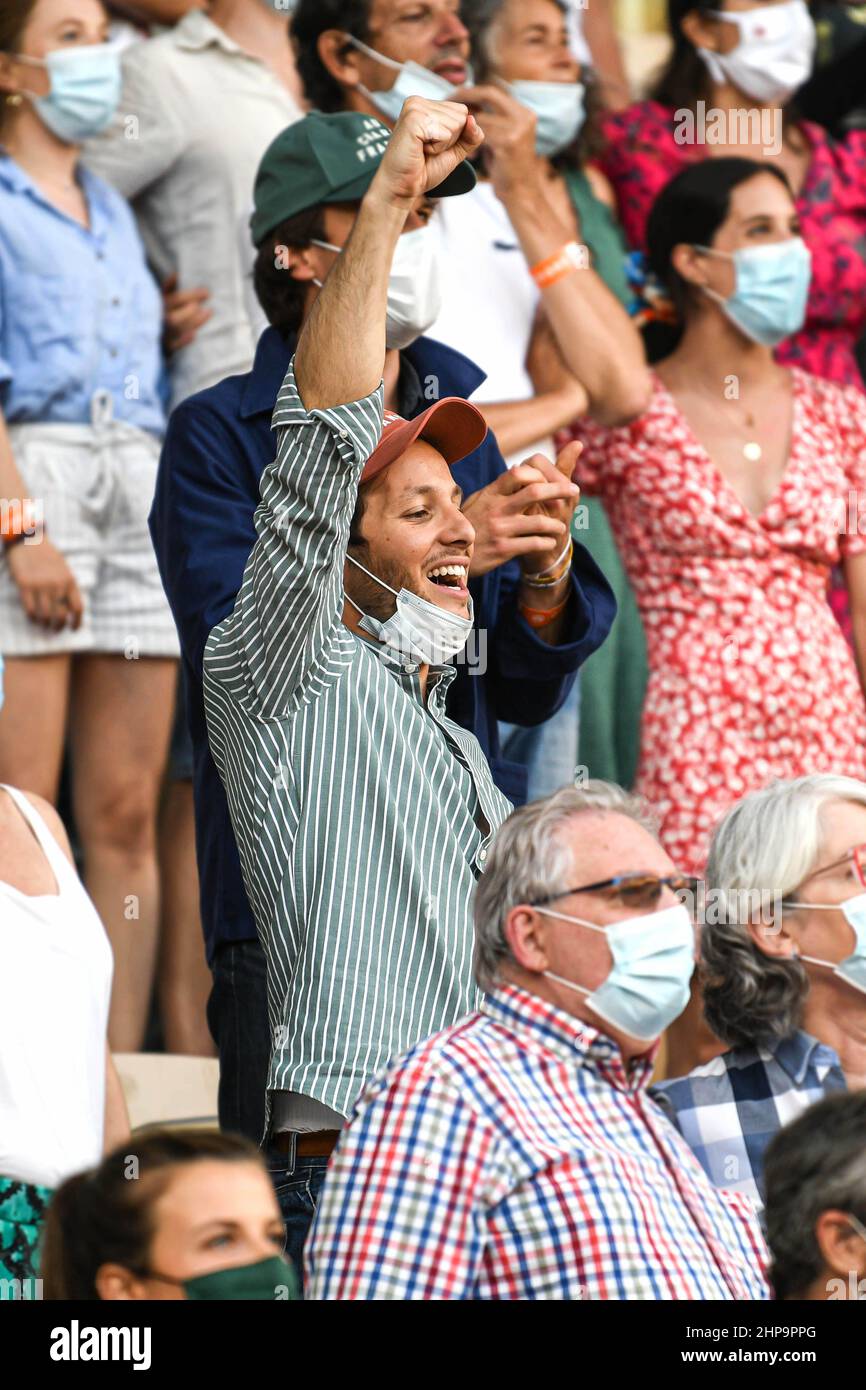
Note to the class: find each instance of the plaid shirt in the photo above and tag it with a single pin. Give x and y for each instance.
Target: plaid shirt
(516, 1156)
(729, 1109)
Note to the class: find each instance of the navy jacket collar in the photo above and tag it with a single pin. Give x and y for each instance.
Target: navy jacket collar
(454, 374)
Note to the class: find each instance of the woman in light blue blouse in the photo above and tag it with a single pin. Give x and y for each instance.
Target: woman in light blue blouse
(85, 631)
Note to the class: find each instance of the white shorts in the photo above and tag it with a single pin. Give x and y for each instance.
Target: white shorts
(94, 486)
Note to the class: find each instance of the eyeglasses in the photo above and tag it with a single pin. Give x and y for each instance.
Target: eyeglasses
(632, 890)
(855, 857)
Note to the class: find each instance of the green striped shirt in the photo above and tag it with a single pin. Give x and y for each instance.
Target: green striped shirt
(363, 817)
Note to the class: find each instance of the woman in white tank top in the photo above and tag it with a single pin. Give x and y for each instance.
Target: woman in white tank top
(60, 1099)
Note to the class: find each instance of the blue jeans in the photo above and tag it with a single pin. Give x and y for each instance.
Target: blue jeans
(297, 1192)
(549, 750)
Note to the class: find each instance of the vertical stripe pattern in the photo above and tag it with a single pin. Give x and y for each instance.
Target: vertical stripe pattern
(363, 818)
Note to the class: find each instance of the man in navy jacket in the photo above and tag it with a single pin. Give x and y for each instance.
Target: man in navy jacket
(217, 446)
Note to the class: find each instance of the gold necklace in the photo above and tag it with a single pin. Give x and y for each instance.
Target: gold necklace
(751, 449)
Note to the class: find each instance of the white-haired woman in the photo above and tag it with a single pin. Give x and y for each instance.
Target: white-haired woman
(784, 971)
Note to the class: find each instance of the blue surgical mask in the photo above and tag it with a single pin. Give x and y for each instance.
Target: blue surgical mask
(417, 629)
(853, 968)
(653, 962)
(413, 80)
(769, 302)
(84, 94)
(559, 109)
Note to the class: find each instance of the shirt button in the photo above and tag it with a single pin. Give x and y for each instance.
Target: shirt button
(410, 670)
(115, 301)
(482, 855)
(344, 434)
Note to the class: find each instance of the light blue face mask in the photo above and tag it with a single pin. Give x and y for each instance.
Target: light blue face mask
(417, 629)
(84, 94)
(653, 962)
(413, 80)
(853, 968)
(559, 109)
(769, 302)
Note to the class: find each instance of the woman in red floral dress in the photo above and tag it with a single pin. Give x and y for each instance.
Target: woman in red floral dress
(731, 497)
(647, 144)
(749, 57)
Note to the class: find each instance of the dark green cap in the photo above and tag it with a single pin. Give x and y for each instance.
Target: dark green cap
(327, 159)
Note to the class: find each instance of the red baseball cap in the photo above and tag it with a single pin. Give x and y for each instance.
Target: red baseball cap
(452, 426)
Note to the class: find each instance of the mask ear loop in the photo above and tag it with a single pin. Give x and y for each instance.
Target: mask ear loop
(371, 53)
(821, 907)
(591, 926)
(372, 576)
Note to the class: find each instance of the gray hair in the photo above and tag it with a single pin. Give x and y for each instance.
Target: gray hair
(767, 843)
(479, 17)
(532, 858)
(815, 1164)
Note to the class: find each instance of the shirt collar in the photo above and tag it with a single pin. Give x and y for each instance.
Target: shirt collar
(274, 352)
(19, 181)
(455, 374)
(568, 1037)
(439, 677)
(801, 1051)
(196, 31)
(273, 355)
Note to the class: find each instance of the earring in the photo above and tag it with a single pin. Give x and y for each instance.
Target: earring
(14, 99)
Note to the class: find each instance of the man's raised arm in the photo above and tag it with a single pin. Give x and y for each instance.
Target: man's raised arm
(341, 351)
(286, 635)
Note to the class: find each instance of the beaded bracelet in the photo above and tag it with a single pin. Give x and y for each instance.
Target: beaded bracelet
(547, 578)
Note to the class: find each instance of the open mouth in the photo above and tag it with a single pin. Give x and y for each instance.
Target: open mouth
(451, 577)
(453, 70)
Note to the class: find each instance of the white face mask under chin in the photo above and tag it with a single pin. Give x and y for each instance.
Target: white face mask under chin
(412, 80)
(414, 286)
(418, 629)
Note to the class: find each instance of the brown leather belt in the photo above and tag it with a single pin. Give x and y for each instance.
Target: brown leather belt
(319, 1144)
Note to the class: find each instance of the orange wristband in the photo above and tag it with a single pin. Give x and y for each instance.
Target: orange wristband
(540, 617)
(570, 257)
(20, 521)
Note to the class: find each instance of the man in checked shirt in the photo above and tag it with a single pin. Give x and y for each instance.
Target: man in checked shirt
(517, 1154)
(362, 812)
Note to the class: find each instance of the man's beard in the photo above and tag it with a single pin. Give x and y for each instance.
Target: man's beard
(370, 597)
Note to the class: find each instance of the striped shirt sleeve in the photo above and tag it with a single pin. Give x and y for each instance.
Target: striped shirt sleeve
(403, 1212)
(285, 639)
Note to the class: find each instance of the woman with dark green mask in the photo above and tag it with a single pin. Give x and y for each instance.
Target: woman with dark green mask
(171, 1215)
